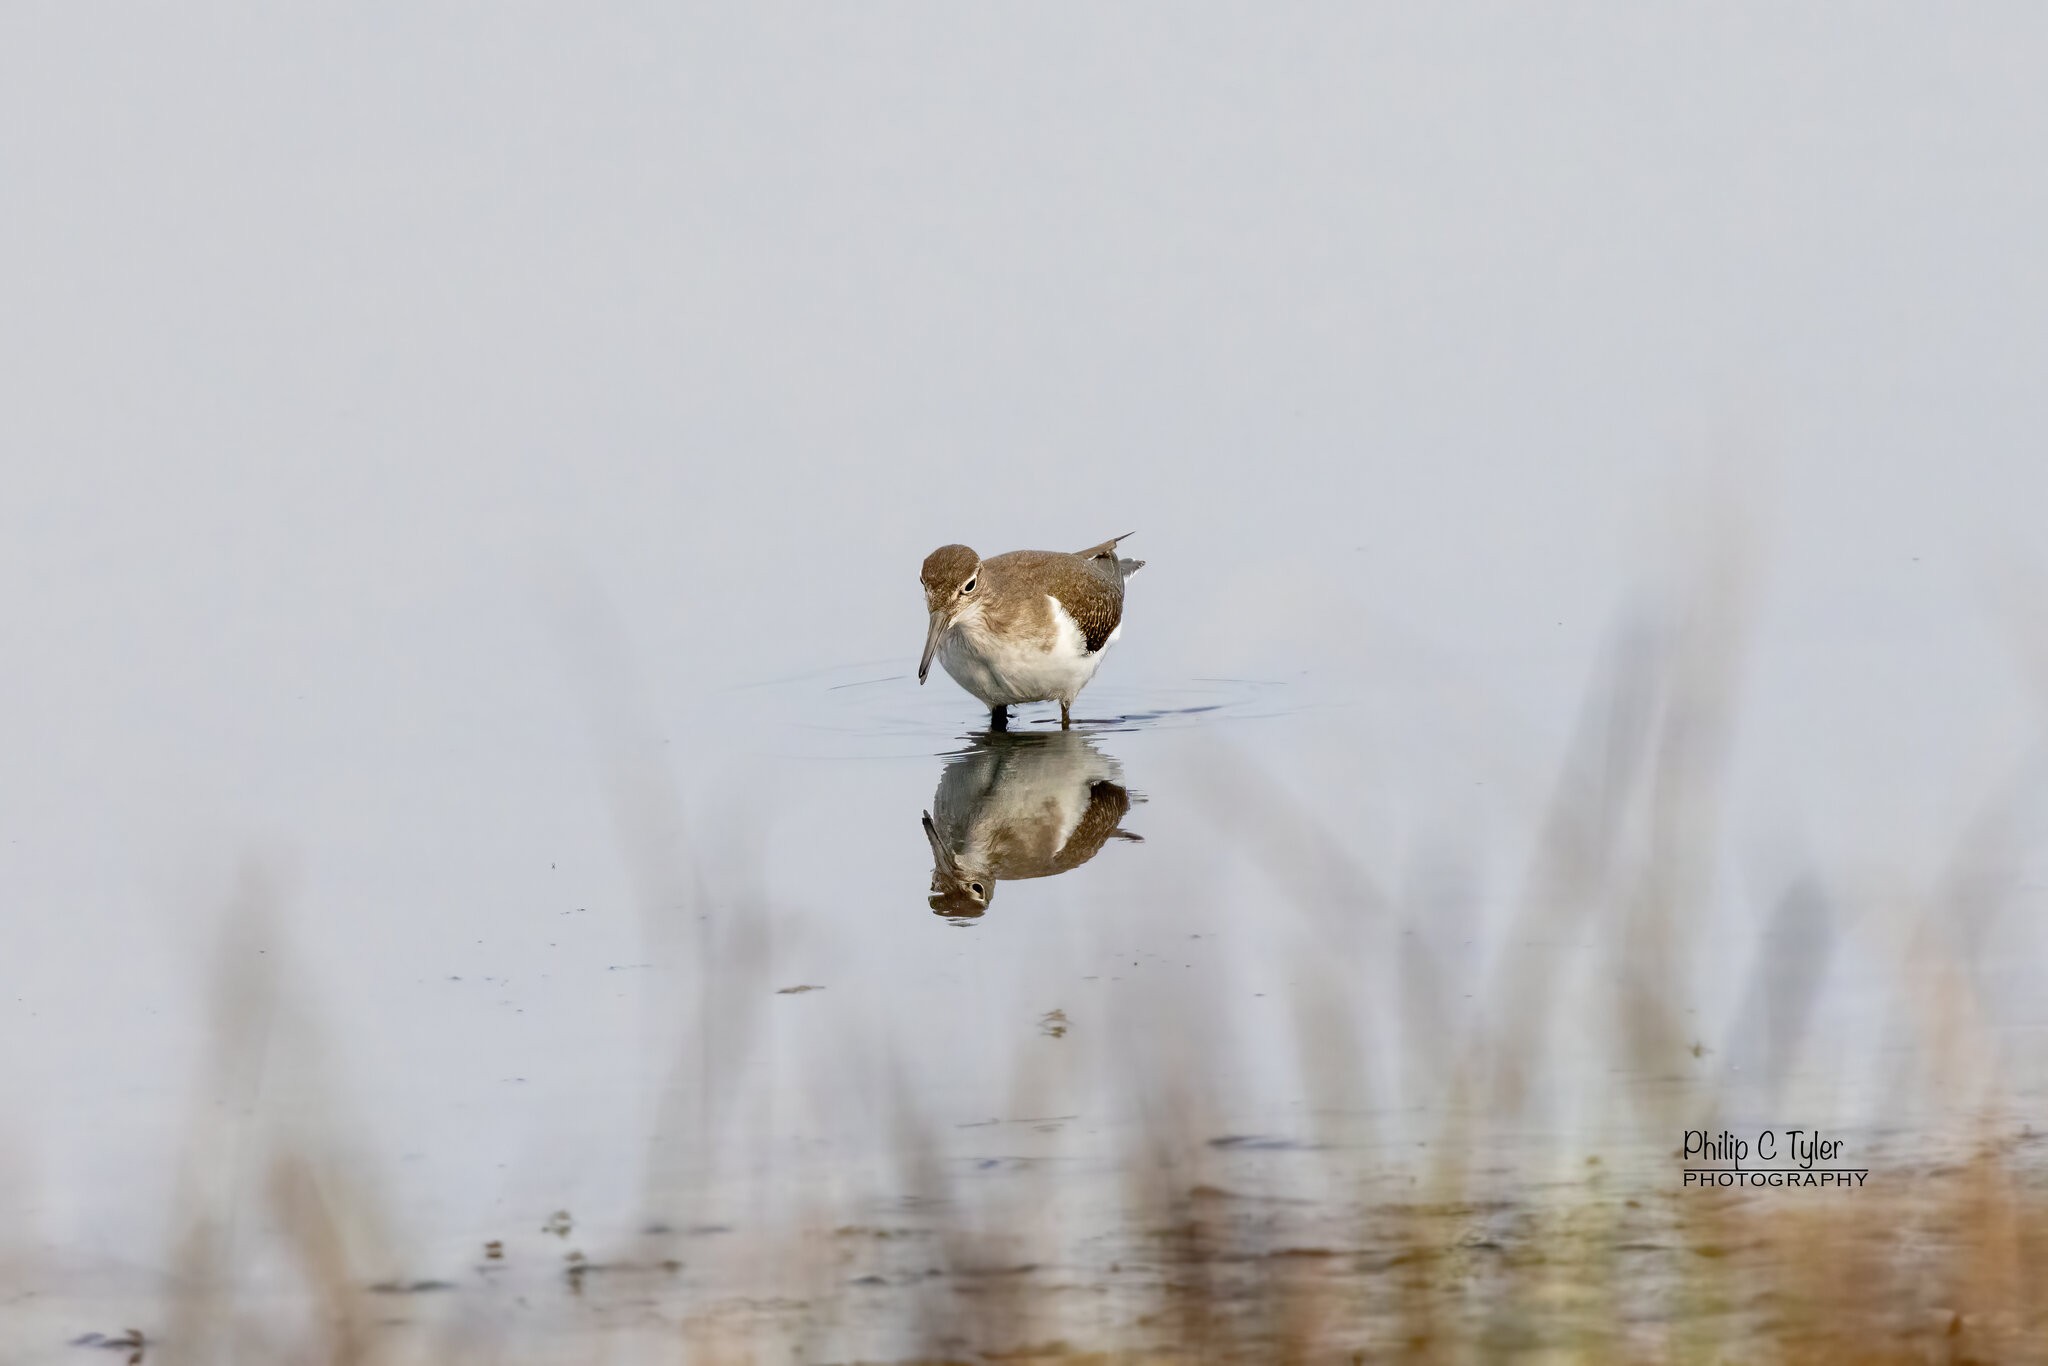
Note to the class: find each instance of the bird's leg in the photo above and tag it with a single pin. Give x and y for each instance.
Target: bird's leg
(1066, 721)
(998, 718)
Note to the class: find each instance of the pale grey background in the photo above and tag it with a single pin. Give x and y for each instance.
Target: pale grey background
(340, 347)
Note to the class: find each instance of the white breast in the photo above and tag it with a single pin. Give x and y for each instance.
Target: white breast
(1003, 671)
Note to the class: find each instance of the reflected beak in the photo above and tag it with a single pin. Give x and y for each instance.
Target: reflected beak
(941, 855)
(931, 643)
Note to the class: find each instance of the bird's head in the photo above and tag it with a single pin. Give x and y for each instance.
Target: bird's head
(951, 577)
(957, 890)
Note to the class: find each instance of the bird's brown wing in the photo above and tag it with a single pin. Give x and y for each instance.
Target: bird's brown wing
(1092, 590)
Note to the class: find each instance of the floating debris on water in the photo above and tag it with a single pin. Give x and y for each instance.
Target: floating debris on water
(410, 1287)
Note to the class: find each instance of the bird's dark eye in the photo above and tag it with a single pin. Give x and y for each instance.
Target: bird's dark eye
(968, 587)
(975, 887)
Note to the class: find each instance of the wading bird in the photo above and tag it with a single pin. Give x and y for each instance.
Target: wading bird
(1029, 626)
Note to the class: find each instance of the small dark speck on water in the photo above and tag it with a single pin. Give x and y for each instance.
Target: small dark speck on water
(798, 989)
(1256, 1143)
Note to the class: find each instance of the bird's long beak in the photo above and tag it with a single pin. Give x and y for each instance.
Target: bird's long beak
(931, 642)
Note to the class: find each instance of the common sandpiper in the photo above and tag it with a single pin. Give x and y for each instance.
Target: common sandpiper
(1029, 626)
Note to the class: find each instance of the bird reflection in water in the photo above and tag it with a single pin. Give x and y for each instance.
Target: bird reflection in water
(1019, 805)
